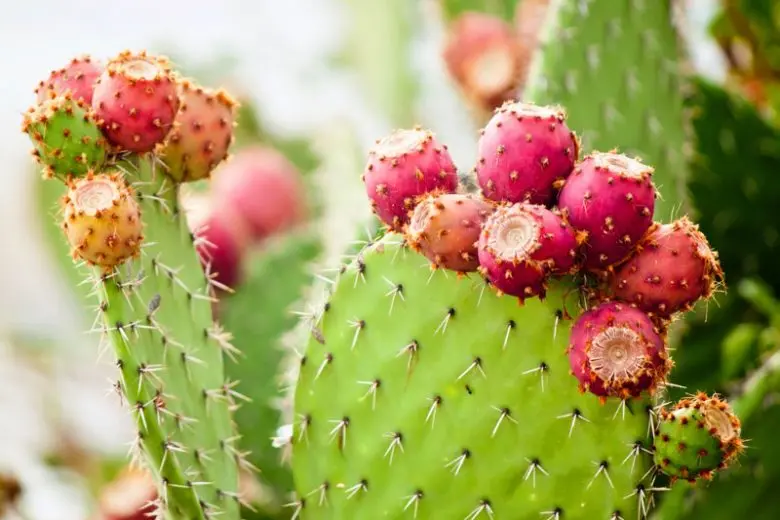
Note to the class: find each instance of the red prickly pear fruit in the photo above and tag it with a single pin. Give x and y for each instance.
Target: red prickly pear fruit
(611, 197)
(482, 55)
(79, 77)
(616, 350)
(136, 99)
(265, 188)
(673, 268)
(130, 496)
(528, 21)
(202, 132)
(521, 245)
(102, 220)
(445, 228)
(402, 168)
(525, 152)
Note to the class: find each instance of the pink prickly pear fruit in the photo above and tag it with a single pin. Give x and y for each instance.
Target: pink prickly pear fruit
(616, 350)
(525, 152)
(265, 188)
(673, 268)
(78, 77)
(136, 99)
(102, 220)
(482, 55)
(611, 197)
(202, 132)
(402, 168)
(445, 228)
(521, 245)
(130, 496)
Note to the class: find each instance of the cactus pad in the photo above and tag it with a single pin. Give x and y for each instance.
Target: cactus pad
(425, 395)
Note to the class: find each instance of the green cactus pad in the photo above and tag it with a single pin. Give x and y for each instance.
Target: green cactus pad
(697, 438)
(425, 395)
(66, 137)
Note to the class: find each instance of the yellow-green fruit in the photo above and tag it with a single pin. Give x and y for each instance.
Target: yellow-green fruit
(102, 220)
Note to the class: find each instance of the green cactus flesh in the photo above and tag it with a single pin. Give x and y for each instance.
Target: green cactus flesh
(157, 313)
(425, 395)
(615, 67)
(66, 138)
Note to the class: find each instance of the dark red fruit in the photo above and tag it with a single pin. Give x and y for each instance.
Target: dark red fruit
(616, 350)
(673, 269)
(521, 245)
(445, 229)
(525, 151)
(612, 198)
(401, 169)
(78, 77)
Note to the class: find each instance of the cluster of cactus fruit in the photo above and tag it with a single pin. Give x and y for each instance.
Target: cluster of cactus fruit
(523, 374)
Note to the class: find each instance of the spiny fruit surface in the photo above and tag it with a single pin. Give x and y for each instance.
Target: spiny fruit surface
(402, 167)
(482, 55)
(524, 151)
(616, 350)
(440, 399)
(521, 245)
(78, 77)
(66, 138)
(445, 228)
(612, 198)
(202, 132)
(673, 269)
(102, 220)
(265, 189)
(698, 436)
(136, 99)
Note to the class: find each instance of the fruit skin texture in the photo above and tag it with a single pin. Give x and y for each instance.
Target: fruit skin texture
(482, 56)
(616, 350)
(673, 269)
(265, 189)
(445, 229)
(102, 220)
(521, 245)
(403, 167)
(65, 136)
(136, 99)
(202, 132)
(612, 198)
(130, 496)
(524, 151)
(697, 437)
(78, 77)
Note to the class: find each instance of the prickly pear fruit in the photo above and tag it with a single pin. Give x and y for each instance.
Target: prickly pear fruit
(102, 220)
(445, 228)
(136, 99)
(402, 168)
(673, 269)
(525, 150)
(131, 496)
(66, 138)
(424, 395)
(78, 77)
(482, 56)
(616, 350)
(201, 134)
(612, 198)
(697, 437)
(521, 245)
(264, 188)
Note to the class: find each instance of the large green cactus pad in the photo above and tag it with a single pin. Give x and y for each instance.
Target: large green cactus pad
(425, 395)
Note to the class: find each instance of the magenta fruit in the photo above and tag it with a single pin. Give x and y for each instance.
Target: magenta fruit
(521, 245)
(673, 269)
(402, 168)
(445, 229)
(136, 100)
(78, 78)
(615, 350)
(612, 198)
(525, 151)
